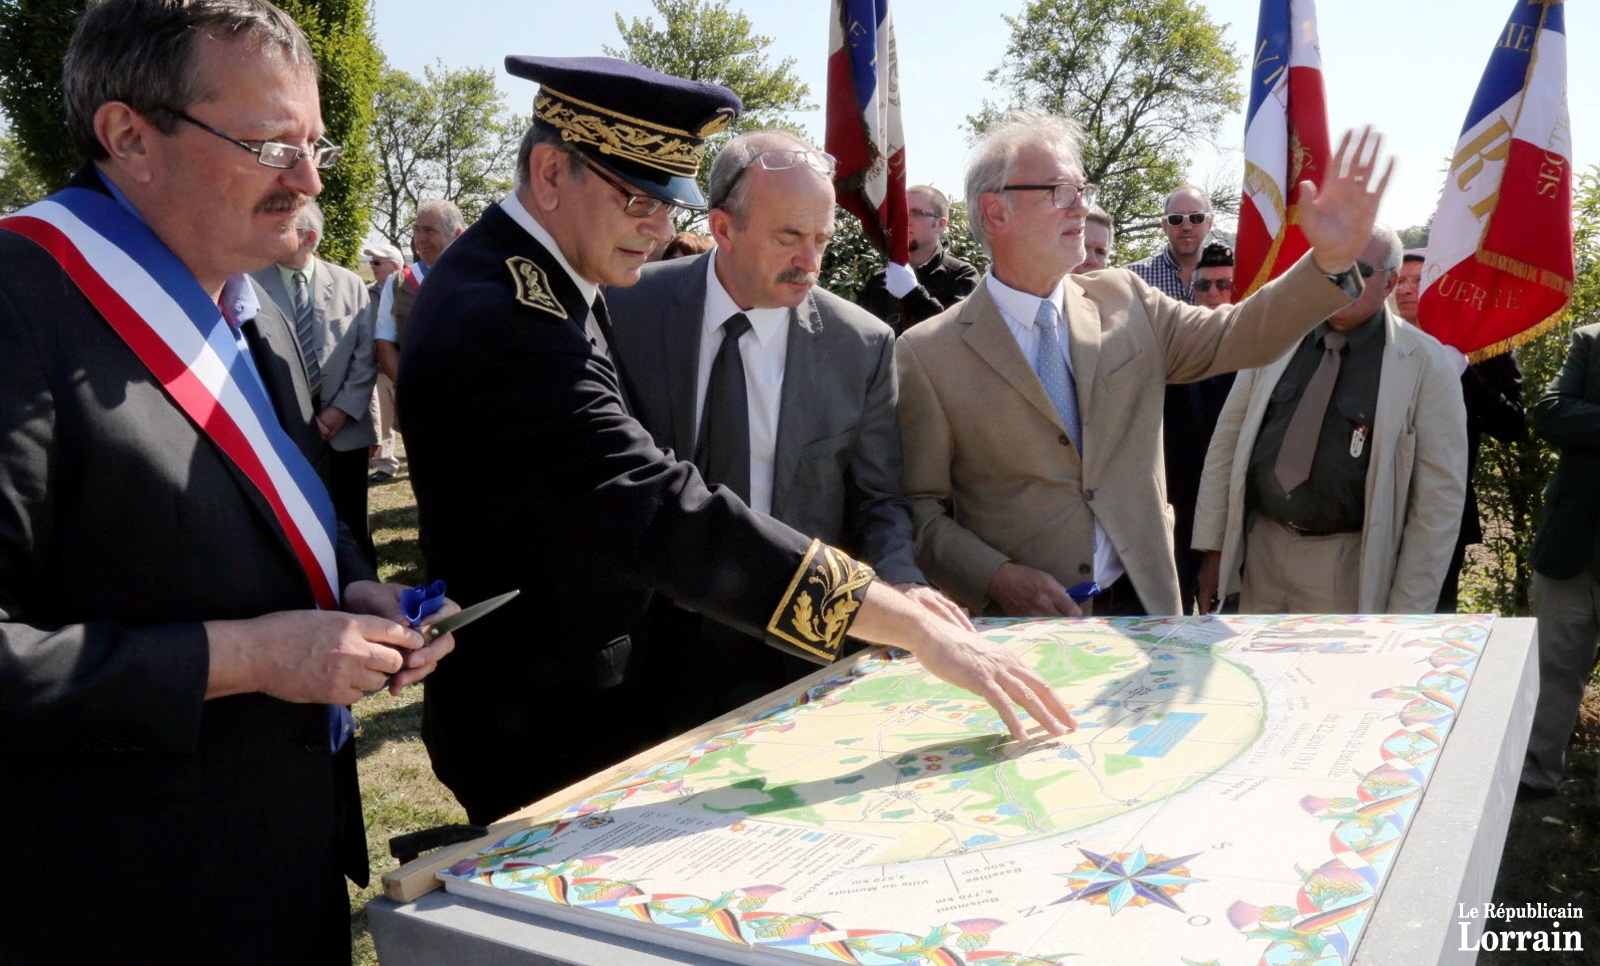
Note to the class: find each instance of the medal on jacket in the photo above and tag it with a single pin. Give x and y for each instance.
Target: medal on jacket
(1358, 442)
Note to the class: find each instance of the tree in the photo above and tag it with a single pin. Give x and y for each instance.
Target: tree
(19, 186)
(33, 38)
(702, 40)
(34, 35)
(1147, 80)
(343, 42)
(1510, 478)
(445, 135)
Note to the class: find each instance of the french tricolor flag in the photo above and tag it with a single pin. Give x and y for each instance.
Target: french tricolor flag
(1285, 141)
(864, 132)
(1500, 259)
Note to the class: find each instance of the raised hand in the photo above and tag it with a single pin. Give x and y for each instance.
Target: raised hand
(1337, 220)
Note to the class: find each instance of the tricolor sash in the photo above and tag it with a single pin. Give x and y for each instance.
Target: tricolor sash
(158, 308)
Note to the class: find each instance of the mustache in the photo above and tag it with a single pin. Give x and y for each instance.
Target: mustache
(798, 275)
(282, 201)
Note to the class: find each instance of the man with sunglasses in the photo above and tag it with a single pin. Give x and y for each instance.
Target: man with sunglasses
(510, 363)
(1189, 411)
(809, 416)
(1213, 277)
(903, 296)
(1031, 412)
(1336, 476)
(182, 621)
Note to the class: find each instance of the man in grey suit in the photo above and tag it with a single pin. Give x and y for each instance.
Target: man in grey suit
(797, 414)
(329, 307)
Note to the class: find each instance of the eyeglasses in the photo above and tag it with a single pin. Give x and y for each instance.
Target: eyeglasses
(1195, 218)
(1367, 270)
(919, 213)
(1063, 195)
(636, 205)
(1222, 284)
(274, 154)
(782, 159)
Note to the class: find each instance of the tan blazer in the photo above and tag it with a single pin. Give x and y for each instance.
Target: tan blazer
(1416, 478)
(989, 468)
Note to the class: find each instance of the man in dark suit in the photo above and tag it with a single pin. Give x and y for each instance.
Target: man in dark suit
(1566, 560)
(903, 295)
(814, 406)
(332, 317)
(173, 663)
(531, 471)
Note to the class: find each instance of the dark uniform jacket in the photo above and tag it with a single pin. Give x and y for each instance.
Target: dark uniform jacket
(942, 281)
(122, 527)
(531, 473)
(1568, 416)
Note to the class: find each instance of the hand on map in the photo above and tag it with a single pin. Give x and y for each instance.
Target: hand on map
(942, 607)
(960, 657)
(1025, 592)
(1337, 220)
(323, 657)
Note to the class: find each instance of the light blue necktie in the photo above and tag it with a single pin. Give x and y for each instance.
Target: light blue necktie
(1051, 366)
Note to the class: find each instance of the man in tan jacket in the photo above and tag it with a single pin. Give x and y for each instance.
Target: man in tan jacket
(1031, 412)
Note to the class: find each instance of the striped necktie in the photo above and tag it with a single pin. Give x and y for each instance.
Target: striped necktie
(305, 330)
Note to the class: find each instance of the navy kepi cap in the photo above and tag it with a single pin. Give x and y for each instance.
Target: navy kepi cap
(646, 127)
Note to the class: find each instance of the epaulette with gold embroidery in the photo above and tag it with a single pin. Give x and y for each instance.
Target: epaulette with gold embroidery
(821, 602)
(533, 287)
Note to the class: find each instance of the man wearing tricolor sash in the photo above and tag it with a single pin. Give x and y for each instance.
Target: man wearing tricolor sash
(175, 666)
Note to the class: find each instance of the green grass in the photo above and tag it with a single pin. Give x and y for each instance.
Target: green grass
(398, 791)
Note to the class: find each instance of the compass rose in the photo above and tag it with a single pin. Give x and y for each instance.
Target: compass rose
(1124, 879)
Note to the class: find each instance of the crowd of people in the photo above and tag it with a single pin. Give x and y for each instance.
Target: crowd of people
(704, 472)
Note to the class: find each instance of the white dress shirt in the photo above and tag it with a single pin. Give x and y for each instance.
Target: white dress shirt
(765, 350)
(385, 327)
(1020, 310)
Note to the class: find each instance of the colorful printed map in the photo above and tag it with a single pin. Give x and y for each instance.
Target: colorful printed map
(1234, 794)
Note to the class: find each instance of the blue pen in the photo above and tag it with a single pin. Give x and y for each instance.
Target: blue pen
(1082, 592)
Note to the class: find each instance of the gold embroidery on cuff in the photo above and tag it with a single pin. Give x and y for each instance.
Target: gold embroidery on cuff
(821, 601)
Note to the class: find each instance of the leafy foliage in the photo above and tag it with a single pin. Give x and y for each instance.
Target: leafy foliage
(33, 38)
(1147, 80)
(19, 186)
(1510, 478)
(346, 49)
(448, 135)
(703, 40)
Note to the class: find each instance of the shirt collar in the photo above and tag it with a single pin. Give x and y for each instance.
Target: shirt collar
(768, 324)
(513, 207)
(287, 274)
(1021, 307)
(239, 300)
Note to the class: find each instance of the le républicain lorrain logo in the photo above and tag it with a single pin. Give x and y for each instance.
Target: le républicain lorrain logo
(1552, 939)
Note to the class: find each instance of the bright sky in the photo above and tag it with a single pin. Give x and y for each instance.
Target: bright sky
(1410, 69)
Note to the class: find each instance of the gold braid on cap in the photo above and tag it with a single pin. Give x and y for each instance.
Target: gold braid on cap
(821, 602)
(665, 149)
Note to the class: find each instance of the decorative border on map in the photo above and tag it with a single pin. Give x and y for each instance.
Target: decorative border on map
(1332, 906)
(1321, 927)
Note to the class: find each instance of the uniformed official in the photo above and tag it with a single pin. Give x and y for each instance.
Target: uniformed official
(508, 353)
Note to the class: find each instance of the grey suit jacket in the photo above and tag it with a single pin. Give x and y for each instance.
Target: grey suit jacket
(837, 472)
(339, 303)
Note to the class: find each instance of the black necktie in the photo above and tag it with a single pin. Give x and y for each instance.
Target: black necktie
(723, 452)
